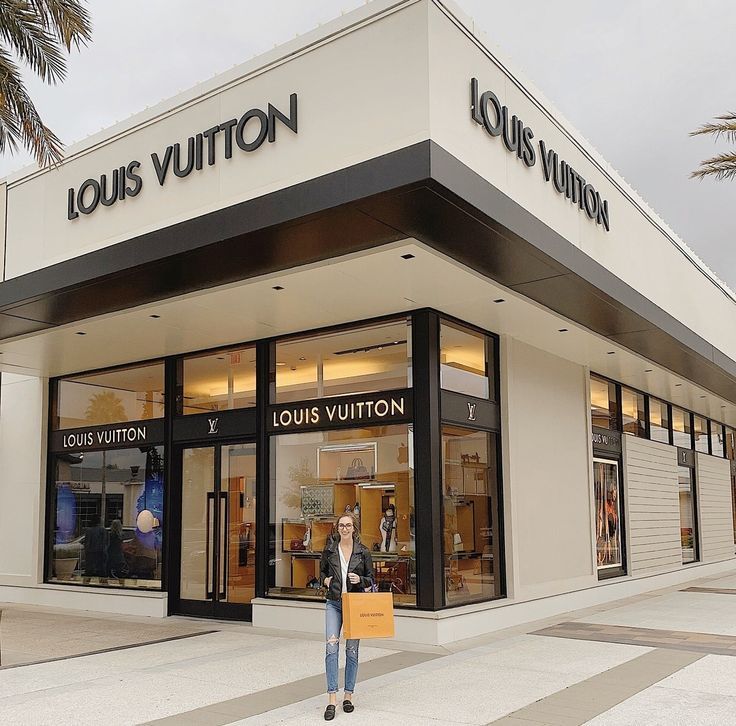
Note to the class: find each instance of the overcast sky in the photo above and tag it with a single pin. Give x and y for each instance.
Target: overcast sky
(633, 76)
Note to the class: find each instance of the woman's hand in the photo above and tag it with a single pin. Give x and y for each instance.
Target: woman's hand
(354, 579)
(327, 582)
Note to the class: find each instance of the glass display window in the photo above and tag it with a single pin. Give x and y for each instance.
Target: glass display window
(681, 428)
(688, 522)
(470, 516)
(607, 495)
(108, 513)
(632, 412)
(730, 450)
(702, 438)
(356, 360)
(659, 421)
(603, 403)
(465, 361)
(135, 393)
(220, 381)
(317, 476)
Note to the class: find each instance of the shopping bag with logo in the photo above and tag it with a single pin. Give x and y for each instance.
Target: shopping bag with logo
(368, 615)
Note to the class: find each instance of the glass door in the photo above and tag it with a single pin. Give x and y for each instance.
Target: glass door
(218, 506)
(609, 554)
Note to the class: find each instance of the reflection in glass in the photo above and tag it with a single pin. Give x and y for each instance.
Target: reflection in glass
(632, 411)
(319, 475)
(603, 409)
(607, 514)
(700, 429)
(123, 394)
(681, 428)
(717, 439)
(471, 544)
(731, 456)
(659, 421)
(219, 382)
(358, 360)
(464, 361)
(688, 532)
(107, 528)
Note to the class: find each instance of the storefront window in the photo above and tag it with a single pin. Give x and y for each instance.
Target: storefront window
(603, 408)
(607, 515)
(632, 410)
(465, 361)
(717, 439)
(731, 456)
(219, 382)
(123, 394)
(681, 429)
(317, 476)
(358, 360)
(470, 515)
(108, 514)
(659, 421)
(688, 530)
(700, 428)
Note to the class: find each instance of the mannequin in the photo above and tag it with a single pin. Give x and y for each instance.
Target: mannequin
(388, 530)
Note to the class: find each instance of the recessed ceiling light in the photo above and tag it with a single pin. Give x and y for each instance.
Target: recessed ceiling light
(407, 256)
(611, 352)
(499, 300)
(301, 357)
(723, 406)
(562, 330)
(647, 370)
(293, 368)
(677, 384)
(279, 363)
(220, 357)
(154, 316)
(702, 396)
(79, 332)
(277, 287)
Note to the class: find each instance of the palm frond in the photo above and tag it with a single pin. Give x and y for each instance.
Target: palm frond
(722, 166)
(67, 20)
(724, 125)
(24, 32)
(20, 122)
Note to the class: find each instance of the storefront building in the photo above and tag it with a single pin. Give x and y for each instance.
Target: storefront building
(370, 271)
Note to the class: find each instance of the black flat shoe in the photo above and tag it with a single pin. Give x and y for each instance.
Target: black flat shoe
(329, 713)
(347, 706)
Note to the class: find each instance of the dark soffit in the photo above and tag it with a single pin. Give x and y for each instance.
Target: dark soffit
(420, 191)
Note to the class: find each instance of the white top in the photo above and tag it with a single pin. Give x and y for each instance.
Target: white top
(343, 569)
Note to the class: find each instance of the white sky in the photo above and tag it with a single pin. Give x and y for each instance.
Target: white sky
(634, 77)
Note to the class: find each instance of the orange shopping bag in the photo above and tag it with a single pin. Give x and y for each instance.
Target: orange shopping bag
(368, 615)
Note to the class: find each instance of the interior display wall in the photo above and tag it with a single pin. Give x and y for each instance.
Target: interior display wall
(713, 486)
(652, 504)
(549, 473)
(22, 456)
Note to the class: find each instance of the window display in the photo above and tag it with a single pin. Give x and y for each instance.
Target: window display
(659, 421)
(316, 476)
(681, 428)
(603, 403)
(632, 411)
(688, 528)
(107, 529)
(607, 515)
(465, 361)
(717, 439)
(700, 430)
(471, 535)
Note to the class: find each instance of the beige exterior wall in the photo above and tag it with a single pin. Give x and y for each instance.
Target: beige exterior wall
(713, 483)
(547, 474)
(23, 457)
(651, 497)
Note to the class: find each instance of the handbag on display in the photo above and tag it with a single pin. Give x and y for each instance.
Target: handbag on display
(357, 470)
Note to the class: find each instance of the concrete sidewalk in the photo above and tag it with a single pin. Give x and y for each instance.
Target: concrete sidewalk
(661, 658)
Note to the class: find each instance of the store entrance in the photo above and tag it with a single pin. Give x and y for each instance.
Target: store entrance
(218, 528)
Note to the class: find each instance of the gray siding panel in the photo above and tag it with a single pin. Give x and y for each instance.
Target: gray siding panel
(713, 481)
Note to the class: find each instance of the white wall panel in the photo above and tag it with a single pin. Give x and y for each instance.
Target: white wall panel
(22, 457)
(713, 482)
(652, 506)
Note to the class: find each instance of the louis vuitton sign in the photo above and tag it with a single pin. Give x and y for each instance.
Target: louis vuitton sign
(390, 407)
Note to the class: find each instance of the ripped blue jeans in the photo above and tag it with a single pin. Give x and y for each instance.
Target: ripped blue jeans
(333, 626)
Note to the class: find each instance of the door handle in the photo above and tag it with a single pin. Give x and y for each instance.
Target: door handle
(224, 524)
(209, 547)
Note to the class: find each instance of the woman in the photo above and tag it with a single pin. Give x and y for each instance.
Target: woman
(346, 566)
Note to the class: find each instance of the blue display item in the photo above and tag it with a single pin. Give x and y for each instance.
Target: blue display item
(66, 514)
(151, 499)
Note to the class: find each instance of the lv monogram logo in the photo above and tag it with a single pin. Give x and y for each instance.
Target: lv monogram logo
(214, 423)
(471, 411)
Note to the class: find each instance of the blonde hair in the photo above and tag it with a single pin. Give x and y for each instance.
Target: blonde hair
(353, 519)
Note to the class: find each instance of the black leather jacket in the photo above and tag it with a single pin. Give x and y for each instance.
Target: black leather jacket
(360, 563)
